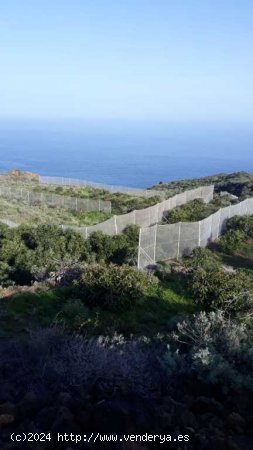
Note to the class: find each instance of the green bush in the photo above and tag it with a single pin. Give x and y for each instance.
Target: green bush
(132, 234)
(204, 258)
(4, 274)
(212, 349)
(29, 251)
(119, 249)
(112, 287)
(192, 211)
(241, 223)
(100, 245)
(217, 289)
(73, 312)
(231, 241)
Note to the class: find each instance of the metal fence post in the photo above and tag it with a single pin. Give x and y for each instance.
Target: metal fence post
(199, 234)
(139, 250)
(179, 237)
(155, 243)
(115, 223)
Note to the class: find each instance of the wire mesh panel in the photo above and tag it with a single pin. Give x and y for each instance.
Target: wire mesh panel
(207, 193)
(181, 199)
(111, 188)
(167, 204)
(154, 218)
(205, 230)
(143, 217)
(250, 206)
(161, 208)
(60, 201)
(173, 202)
(34, 197)
(167, 241)
(215, 228)
(82, 204)
(235, 210)
(244, 207)
(225, 214)
(146, 253)
(192, 194)
(69, 203)
(9, 223)
(188, 237)
(107, 227)
(124, 220)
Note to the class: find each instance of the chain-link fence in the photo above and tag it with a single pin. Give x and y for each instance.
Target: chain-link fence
(147, 216)
(61, 181)
(143, 217)
(163, 242)
(9, 223)
(60, 201)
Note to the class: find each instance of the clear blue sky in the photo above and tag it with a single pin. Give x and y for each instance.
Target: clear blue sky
(130, 59)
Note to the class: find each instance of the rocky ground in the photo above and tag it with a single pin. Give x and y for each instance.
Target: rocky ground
(223, 423)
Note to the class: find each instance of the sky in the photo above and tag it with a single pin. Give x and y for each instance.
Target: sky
(161, 60)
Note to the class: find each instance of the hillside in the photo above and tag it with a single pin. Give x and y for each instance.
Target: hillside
(90, 344)
(238, 183)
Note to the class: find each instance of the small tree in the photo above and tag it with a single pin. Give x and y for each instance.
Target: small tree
(112, 287)
(231, 241)
(221, 290)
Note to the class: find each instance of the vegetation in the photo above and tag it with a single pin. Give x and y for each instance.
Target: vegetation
(213, 349)
(238, 183)
(31, 253)
(99, 344)
(195, 210)
(37, 214)
(218, 289)
(121, 203)
(112, 287)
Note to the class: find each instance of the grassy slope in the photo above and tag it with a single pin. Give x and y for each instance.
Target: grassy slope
(242, 259)
(20, 212)
(27, 310)
(238, 183)
(121, 203)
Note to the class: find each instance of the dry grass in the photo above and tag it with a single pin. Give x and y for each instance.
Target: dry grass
(20, 212)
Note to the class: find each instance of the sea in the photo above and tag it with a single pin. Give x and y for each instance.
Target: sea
(135, 154)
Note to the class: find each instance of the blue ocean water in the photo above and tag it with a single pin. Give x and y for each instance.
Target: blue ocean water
(124, 153)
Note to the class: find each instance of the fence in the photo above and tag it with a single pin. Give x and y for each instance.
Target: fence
(106, 187)
(9, 223)
(147, 216)
(78, 204)
(144, 217)
(162, 242)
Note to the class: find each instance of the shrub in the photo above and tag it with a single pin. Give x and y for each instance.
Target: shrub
(59, 361)
(4, 274)
(132, 234)
(230, 291)
(192, 211)
(241, 223)
(74, 312)
(101, 245)
(112, 287)
(231, 241)
(118, 249)
(214, 349)
(32, 250)
(204, 258)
